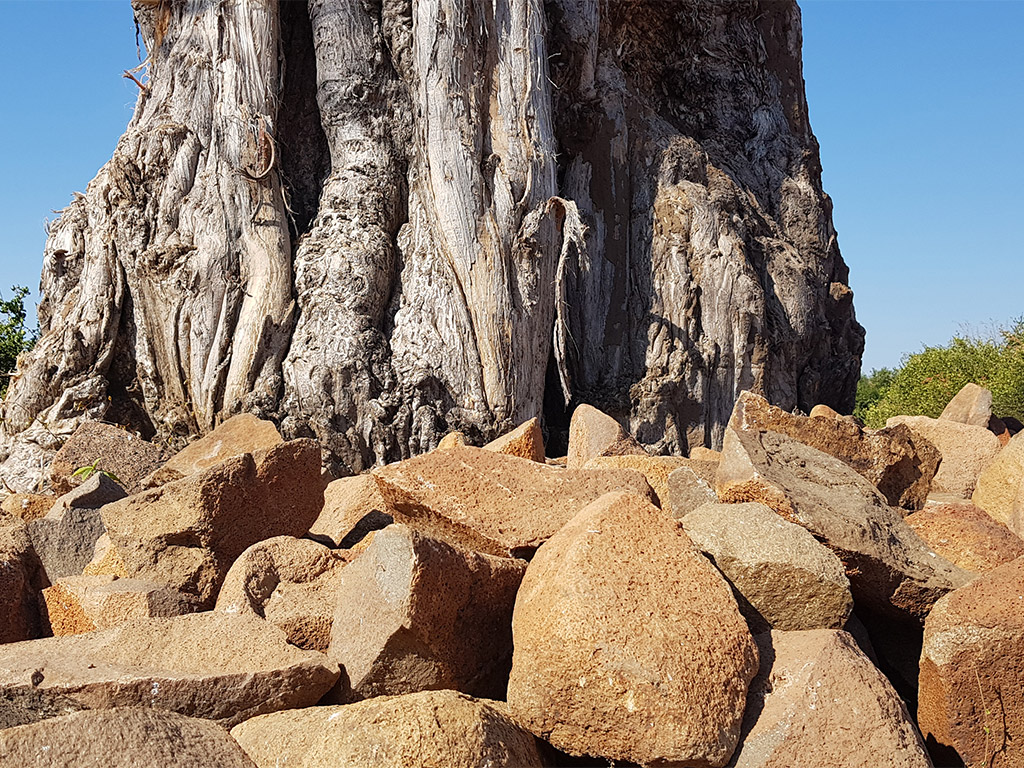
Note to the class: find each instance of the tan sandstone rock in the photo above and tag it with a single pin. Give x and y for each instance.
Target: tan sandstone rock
(211, 665)
(415, 613)
(1000, 485)
(700, 453)
(129, 737)
(353, 506)
(439, 729)
(966, 451)
(292, 583)
(451, 440)
(115, 450)
(822, 411)
(691, 487)
(971, 698)
(21, 579)
(786, 579)
(655, 468)
(28, 506)
(966, 536)
(971, 405)
(628, 643)
(525, 441)
(489, 502)
(818, 701)
(593, 433)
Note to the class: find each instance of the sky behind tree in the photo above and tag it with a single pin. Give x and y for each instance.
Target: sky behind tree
(917, 107)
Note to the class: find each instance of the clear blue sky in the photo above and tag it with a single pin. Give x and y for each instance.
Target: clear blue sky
(918, 107)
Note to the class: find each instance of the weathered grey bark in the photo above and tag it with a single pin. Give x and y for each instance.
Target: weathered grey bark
(377, 220)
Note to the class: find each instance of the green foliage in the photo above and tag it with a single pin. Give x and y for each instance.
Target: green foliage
(90, 469)
(15, 338)
(929, 379)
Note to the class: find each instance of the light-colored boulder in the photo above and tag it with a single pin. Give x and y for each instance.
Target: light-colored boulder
(488, 502)
(691, 487)
(77, 604)
(628, 643)
(353, 506)
(966, 450)
(525, 441)
(415, 613)
(971, 405)
(28, 506)
(440, 729)
(657, 470)
(819, 701)
(113, 449)
(786, 579)
(966, 536)
(452, 440)
(211, 665)
(65, 539)
(1000, 485)
(130, 737)
(593, 433)
(822, 411)
(292, 583)
(700, 453)
(21, 579)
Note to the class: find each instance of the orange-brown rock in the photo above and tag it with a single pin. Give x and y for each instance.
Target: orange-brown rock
(966, 536)
(28, 506)
(451, 440)
(898, 463)
(628, 643)
(971, 697)
(113, 449)
(966, 450)
(353, 506)
(77, 604)
(128, 737)
(525, 441)
(822, 411)
(440, 729)
(21, 579)
(818, 701)
(292, 583)
(1000, 484)
(415, 613)
(488, 502)
(238, 435)
(657, 470)
(892, 572)
(106, 561)
(187, 533)
(593, 433)
(700, 453)
(211, 665)
(971, 405)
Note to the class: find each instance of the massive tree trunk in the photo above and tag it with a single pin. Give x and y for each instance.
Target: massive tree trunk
(378, 220)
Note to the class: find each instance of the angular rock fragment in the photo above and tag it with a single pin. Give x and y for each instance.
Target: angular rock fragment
(415, 613)
(700, 453)
(211, 665)
(966, 536)
(65, 539)
(525, 441)
(1001, 483)
(93, 493)
(440, 729)
(292, 583)
(353, 506)
(691, 487)
(21, 579)
(656, 469)
(966, 450)
(127, 737)
(28, 506)
(628, 643)
(971, 405)
(818, 701)
(112, 449)
(593, 433)
(488, 502)
(786, 579)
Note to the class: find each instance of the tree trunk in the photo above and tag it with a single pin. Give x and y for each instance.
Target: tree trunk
(378, 220)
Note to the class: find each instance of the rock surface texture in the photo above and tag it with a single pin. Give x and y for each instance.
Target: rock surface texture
(971, 405)
(1000, 488)
(21, 579)
(556, 203)
(78, 604)
(111, 449)
(966, 536)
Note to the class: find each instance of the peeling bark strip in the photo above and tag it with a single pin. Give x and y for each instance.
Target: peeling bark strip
(527, 204)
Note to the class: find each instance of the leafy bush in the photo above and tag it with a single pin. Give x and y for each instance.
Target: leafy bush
(15, 338)
(927, 380)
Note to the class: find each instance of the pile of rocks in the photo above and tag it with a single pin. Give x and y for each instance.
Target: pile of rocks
(814, 594)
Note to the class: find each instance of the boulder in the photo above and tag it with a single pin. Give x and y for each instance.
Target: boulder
(1000, 483)
(93, 493)
(21, 579)
(966, 536)
(440, 729)
(657, 470)
(439, 617)
(785, 579)
(127, 737)
(971, 405)
(700, 453)
(65, 539)
(211, 665)
(452, 440)
(690, 487)
(593, 433)
(292, 583)
(896, 461)
(822, 411)
(965, 449)
(489, 502)
(237, 436)
(113, 449)
(892, 572)
(628, 643)
(77, 604)
(353, 506)
(819, 701)
(187, 533)
(971, 698)
(525, 441)
(28, 506)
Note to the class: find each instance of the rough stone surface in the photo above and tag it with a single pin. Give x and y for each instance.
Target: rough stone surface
(895, 460)
(785, 578)
(484, 501)
(353, 506)
(187, 533)
(823, 411)
(129, 737)
(440, 729)
(65, 539)
(966, 536)
(700, 453)
(28, 506)
(971, 698)
(966, 450)
(451, 440)
(819, 701)
(77, 604)
(593, 433)
(210, 665)
(525, 441)
(690, 487)
(292, 583)
(657, 470)
(90, 494)
(238, 435)
(891, 571)
(1000, 484)
(628, 643)
(127, 456)
(971, 405)
(415, 613)
(21, 579)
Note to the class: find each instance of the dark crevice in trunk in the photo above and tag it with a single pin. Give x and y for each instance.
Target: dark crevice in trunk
(127, 406)
(556, 412)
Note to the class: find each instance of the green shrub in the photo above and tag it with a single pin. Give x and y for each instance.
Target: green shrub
(15, 338)
(927, 380)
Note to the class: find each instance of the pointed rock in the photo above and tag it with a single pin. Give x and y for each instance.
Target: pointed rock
(966, 451)
(525, 441)
(657, 470)
(593, 433)
(353, 506)
(971, 405)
